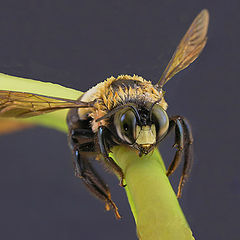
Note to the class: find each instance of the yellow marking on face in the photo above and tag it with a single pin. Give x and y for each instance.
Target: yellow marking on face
(145, 135)
(146, 145)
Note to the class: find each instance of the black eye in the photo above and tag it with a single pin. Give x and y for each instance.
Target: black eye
(160, 119)
(125, 122)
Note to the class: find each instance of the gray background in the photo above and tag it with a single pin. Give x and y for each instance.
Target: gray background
(80, 43)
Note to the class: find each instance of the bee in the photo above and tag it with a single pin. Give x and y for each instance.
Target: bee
(126, 110)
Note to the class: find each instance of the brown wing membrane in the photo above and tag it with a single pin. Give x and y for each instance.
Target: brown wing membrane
(189, 48)
(22, 105)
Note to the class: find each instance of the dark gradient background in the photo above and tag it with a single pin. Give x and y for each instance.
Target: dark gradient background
(80, 43)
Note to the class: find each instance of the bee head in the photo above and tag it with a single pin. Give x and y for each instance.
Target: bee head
(141, 127)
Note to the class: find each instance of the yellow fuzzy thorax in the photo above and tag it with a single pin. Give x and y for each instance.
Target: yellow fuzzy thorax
(108, 97)
(112, 98)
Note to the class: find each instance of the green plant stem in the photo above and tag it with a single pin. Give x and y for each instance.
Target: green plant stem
(18, 84)
(153, 202)
(154, 205)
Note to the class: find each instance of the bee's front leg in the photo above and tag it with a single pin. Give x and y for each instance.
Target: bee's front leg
(183, 143)
(103, 133)
(179, 144)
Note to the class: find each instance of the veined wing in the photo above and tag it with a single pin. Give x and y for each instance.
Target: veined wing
(189, 48)
(22, 105)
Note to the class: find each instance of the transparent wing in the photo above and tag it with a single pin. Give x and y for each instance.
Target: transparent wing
(22, 105)
(189, 48)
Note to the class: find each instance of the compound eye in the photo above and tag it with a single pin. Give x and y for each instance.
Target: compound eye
(160, 119)
(125, 122)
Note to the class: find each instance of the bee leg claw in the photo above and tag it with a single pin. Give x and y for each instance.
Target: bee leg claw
(121, 183)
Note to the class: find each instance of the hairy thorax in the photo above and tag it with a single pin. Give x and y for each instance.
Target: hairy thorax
(118, 91)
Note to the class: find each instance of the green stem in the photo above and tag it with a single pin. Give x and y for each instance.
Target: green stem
(153, 202)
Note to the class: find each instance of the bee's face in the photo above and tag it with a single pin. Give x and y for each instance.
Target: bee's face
(142, 129)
